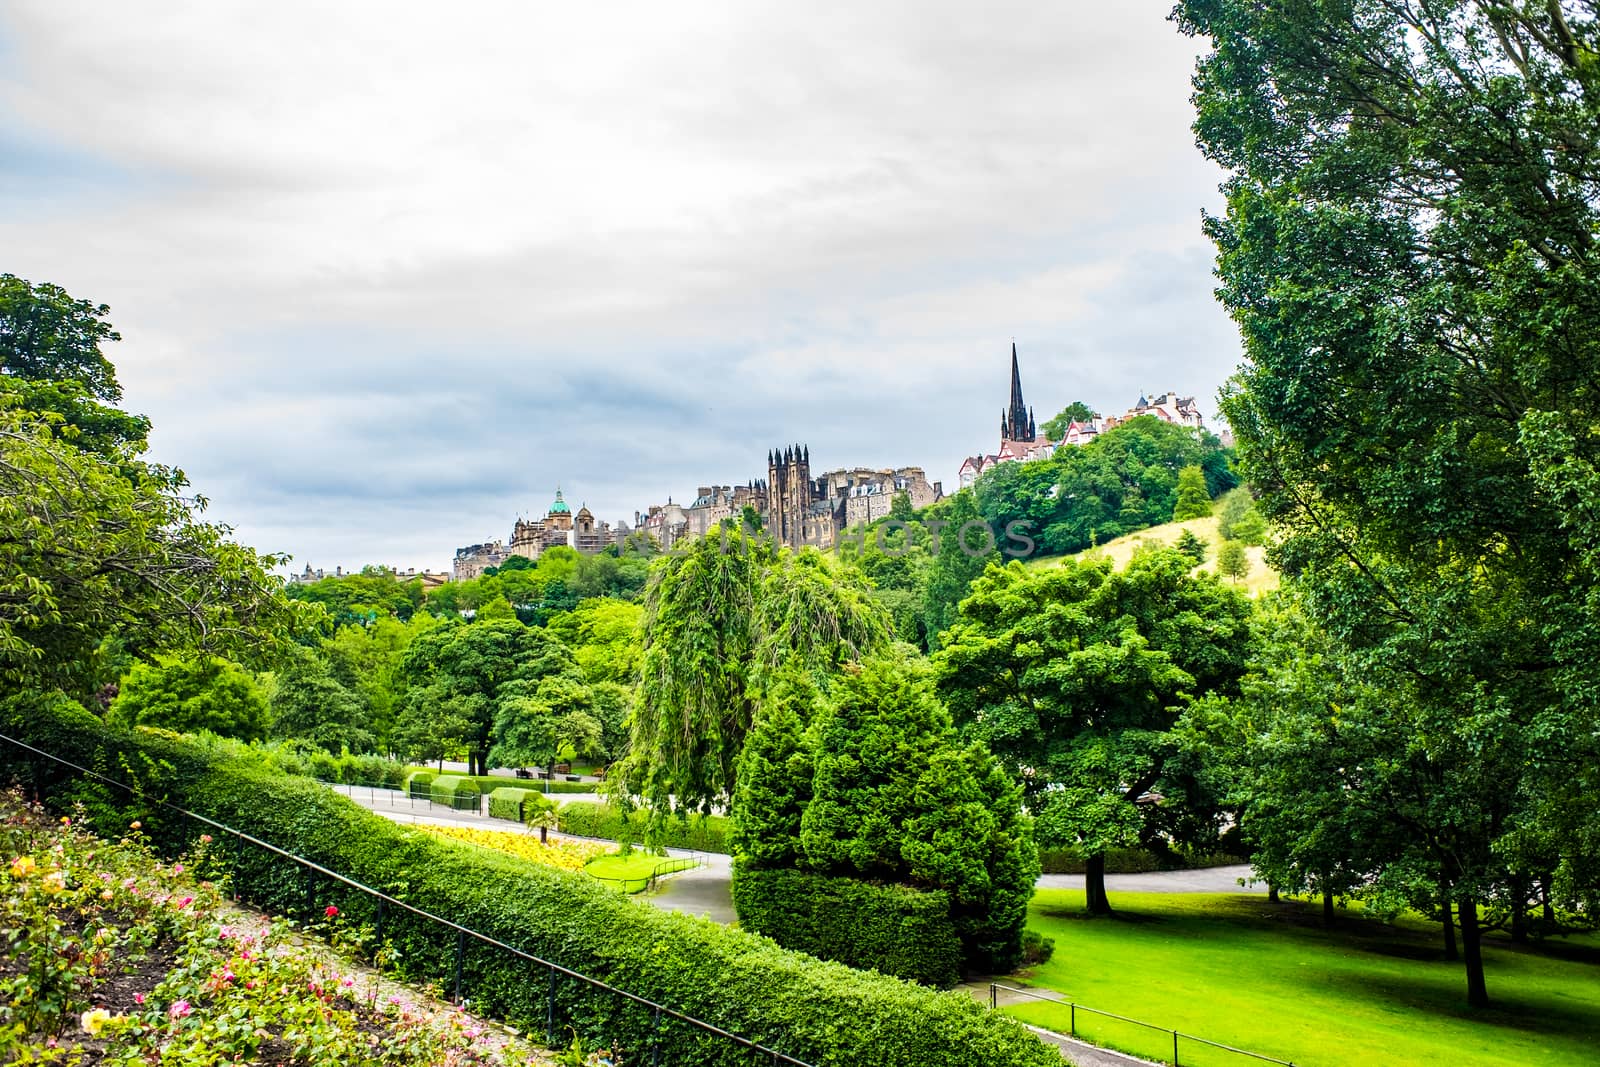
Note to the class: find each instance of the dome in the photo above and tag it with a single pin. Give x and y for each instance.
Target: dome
(560, 506)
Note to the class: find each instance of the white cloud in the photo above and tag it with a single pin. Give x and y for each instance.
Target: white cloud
(396, 254)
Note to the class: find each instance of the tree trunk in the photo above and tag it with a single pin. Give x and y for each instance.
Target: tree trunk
(1544, 899)
(1327, 907)
(1519, 913)
(1094, 884)
(544, 835)
(1472, 950)
(1272, 894)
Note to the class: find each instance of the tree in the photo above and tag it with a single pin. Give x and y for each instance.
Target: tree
(462, 678)
(1077, 411)
(775, 773)
(1077, 676)
(94, 548)
(1193, 502)
(47, 336)
(309, 704)
(1409, 251)
(719, 616)
(896, 797)
(1190, 545)
(190, 694)
(1232, 560)
(1238, 519)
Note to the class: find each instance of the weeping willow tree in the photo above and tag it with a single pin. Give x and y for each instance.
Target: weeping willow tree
(721, 614)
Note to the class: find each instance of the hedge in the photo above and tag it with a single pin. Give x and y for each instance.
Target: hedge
(488, 783)
(509, 802)
(895, 929)
(419, 784)
(456, 791)
(703, 833)
(1131, 861)
(823, 1013)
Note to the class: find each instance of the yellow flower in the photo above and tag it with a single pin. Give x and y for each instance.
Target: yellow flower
(22, 866)
(133, 825)
(55, 882)
(93, 1021)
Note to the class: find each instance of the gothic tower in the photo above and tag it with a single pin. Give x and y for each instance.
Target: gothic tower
(788, 493)
(1016, 422)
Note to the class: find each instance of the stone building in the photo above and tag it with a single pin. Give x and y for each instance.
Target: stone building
(1020, 439)
(801, 510)
(531, 537)
(472, 561)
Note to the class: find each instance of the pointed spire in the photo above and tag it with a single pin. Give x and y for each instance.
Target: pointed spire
(1018, 418)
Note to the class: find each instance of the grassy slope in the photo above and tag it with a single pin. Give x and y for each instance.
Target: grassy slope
(1260, 579)
(1269, 979)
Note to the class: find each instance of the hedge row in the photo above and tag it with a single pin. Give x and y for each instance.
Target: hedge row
(419, 784)
(703, 833)
(895, 929)
(823, 1013)
(456, 791)
(488, 783)
(508, 802)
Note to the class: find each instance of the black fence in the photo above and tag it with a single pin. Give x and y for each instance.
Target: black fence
(462, 936)
(1073, 1008)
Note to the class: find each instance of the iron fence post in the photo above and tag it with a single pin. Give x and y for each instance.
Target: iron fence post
(550, 1017)
(461, 948)
(1073, 1012)
(377, 931)
(994, 997)
(655, 1040)
(1174, 1048)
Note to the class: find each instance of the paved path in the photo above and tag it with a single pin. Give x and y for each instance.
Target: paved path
(1204, 880)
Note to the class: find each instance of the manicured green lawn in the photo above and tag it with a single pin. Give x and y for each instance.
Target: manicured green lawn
(1269, 978)
(632, 873)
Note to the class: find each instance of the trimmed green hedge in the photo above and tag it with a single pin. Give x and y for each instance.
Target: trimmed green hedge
(456, 791)
(823, 1013)
(488, 783)
(1130, 861)
(895, 929)
(509, 802)
(703, 833)
(419, 784)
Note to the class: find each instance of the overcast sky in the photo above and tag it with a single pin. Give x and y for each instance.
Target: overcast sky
(387, 274)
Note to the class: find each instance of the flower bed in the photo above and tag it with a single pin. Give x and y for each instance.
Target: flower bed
(563, 855)
(107, 955)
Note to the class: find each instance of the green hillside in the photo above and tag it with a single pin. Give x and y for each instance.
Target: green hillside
(1260, 579)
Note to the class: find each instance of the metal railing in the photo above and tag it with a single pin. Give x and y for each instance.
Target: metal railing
(995, 988)
(640, 883)
(463, 934)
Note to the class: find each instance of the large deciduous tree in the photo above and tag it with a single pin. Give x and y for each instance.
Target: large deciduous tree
(1410, 251)
(1075, 676)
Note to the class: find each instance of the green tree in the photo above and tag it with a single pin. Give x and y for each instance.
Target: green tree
(192, 693)
(1077, 411)
(1238, 519)
(1409, 251)
(1232, 560)
(459, 675)
(966, 546)
(896, 797)
(48, 336)
(1190, 545)
(309, 704)
(1077, 676)
(775, 773)
(1193, 502)
(93, 555)
(720, 613)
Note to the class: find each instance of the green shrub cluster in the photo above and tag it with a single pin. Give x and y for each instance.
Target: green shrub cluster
(894, 929)
(419, 784)
(509, 802)
(488, 783)
(456, 791)
(822, 1013)
(703, 833)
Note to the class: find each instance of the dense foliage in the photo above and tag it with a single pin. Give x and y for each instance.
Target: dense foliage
(1409, 249)
(820, 1012)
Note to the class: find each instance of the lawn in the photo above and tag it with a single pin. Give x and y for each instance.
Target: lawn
(632, 872)
(1269, 978)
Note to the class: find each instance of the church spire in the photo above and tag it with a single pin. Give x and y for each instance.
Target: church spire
(1019, 418)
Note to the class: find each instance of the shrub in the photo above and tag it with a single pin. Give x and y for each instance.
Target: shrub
(895, 929)
(323, 767)
(456, 791)
(703, 833)
(420, 784)
(1036, 948)
(509, 802)
(823, 1013)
